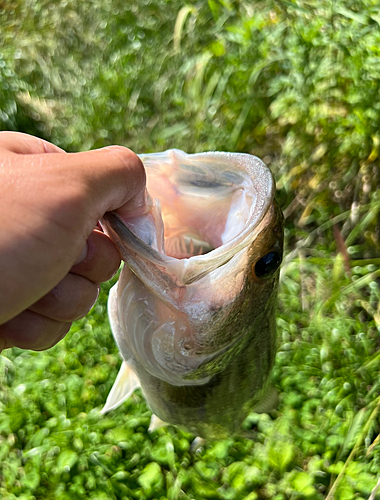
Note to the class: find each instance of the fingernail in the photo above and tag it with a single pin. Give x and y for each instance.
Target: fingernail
(82, 256)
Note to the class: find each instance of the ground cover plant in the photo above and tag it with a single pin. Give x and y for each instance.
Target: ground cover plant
(295, 82)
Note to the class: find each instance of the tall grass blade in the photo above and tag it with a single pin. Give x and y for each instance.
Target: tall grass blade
(240, 122)
(361, 226)
(179, 24)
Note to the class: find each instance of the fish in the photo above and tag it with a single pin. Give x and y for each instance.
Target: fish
(194, 310)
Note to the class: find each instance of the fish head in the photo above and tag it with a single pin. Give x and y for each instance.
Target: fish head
(199, 330)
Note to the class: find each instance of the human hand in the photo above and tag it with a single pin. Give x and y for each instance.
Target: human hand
(52, 258)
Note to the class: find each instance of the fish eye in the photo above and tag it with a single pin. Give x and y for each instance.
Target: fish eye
(267, 265)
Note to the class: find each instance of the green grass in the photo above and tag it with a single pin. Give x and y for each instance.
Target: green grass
(295, 82)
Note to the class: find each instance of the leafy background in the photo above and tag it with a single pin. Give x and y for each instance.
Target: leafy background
(294, 82)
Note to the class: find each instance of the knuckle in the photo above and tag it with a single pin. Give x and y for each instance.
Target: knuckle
(129, 160)
(124, 154)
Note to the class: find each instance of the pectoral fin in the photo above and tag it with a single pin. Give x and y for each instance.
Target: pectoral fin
(126, 382)
(156, 423)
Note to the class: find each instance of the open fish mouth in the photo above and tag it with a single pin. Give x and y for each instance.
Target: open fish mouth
(210, 203)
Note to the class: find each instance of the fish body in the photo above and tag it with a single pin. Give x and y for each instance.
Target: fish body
(193, 312)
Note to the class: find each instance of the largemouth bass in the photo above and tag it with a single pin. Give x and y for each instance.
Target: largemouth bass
(193, 312)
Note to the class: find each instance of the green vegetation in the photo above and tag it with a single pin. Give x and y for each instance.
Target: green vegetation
(295, 82)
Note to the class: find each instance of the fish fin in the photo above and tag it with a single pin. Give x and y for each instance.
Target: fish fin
(126, 382)
(197, 445)
(156, 423)
(268, 403)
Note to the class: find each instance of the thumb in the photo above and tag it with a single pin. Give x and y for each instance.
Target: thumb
(114, 178)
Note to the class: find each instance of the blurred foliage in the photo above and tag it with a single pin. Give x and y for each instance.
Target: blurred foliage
(294, 82)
